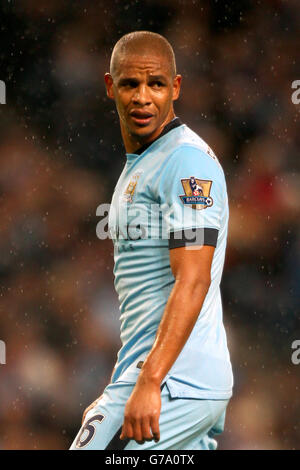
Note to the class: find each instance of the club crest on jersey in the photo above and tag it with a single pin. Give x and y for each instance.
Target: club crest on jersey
(196, 193)
(130, 189)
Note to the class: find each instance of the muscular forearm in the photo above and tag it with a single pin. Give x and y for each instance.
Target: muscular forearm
(180, 315)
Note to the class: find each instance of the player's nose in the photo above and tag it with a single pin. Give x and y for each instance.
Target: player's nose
(142, 95)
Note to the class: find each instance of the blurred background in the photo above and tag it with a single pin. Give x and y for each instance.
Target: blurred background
(60, 157)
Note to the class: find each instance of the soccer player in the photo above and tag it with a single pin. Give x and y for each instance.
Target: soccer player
(172, 380)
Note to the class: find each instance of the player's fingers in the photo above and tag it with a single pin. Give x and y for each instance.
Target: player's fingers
(92, 405)
(146, 431)
(127, 430)
(137, 431)
(86, 412)
(154, 424)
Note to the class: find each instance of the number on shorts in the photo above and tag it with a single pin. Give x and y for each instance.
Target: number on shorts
(89, 427)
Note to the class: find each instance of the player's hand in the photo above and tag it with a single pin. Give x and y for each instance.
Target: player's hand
(89, 408)
(141, 416)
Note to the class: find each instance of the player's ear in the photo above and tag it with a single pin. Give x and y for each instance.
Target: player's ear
(109, 85)
(176, 86)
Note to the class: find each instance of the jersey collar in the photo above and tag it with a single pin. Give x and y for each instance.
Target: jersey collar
(176, 122)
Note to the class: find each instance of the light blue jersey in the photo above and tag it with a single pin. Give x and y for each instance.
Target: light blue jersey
(172, 194)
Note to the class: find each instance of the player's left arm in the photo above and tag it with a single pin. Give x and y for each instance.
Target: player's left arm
(191, 269)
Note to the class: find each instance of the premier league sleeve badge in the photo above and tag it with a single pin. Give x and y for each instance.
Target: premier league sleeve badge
(196, 193)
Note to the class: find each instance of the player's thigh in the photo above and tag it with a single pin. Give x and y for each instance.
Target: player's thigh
(104, 420)
(185, 424)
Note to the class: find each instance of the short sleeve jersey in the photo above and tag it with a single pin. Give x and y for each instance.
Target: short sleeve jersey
(170, 195)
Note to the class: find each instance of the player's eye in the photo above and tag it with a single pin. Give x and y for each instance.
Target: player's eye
(132, 84)
(157, 84)
(129, 83)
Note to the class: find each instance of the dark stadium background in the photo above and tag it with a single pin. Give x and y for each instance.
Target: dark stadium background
(60, 156)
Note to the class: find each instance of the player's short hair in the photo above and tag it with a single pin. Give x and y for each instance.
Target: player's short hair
(140, 42)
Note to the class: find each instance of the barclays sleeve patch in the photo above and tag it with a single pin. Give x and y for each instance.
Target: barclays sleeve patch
(196, 193)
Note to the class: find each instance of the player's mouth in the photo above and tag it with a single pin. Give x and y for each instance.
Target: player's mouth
(142, 118)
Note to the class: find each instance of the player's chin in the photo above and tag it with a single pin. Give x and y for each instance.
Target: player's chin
(144, 130)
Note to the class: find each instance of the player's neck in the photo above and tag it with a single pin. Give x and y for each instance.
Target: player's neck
(133, 143)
